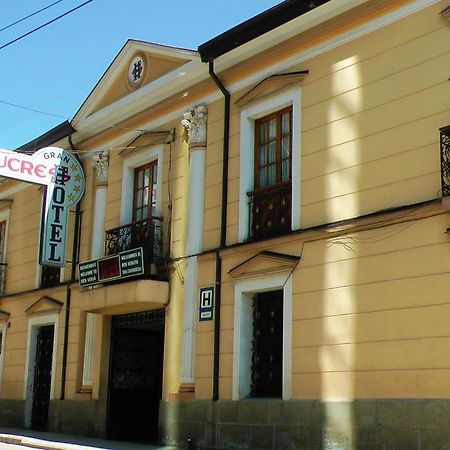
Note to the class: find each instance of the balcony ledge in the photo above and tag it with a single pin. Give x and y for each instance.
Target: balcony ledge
(132, 296)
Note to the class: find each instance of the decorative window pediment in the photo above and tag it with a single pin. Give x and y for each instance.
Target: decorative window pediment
(264, 263)
(445, 13)
(145, 140)
(45, 304)
(4, 316)
(271, 85)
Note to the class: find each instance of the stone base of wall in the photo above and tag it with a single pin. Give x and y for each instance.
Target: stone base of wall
(76, 417)
(65, 416)
(308, 425)
(12, 413)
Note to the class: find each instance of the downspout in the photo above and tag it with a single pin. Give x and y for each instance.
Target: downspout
(223, 227)
(76, 239)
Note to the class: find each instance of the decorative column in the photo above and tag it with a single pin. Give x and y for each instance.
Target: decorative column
(194, 122)
(101, 165)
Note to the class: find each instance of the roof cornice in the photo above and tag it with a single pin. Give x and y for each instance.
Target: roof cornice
(256, 27)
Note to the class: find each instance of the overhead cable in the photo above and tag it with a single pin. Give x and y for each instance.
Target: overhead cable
(29, 15)
(45, 24)
(59, 116)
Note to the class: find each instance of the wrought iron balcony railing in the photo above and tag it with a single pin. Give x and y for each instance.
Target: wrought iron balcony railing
(270, 210)
(144, 233)
(445, 160)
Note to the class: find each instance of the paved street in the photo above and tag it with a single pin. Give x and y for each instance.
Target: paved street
(14, 439)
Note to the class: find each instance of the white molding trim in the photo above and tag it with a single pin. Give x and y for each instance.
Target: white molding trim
(190, 311)
(34, 323)
(298, 25)
(98, 227)
(150, 94)
(136, 159)
(242, 331)
(119, 63)
(247, 136)
(330, 44)
(196, 200)
(415, 6)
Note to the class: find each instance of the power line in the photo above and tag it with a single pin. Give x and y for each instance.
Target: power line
(59, 116)
(26, 108)
(45, 24)
(29, 15)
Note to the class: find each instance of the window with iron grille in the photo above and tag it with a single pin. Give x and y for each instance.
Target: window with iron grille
(271, 199)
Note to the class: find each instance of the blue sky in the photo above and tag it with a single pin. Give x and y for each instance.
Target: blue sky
(54, 69)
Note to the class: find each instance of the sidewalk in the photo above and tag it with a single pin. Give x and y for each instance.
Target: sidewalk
(56, 441)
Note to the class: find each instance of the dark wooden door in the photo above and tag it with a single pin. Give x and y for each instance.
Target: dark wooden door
(42, 378)
(135, 384)
(267, 345)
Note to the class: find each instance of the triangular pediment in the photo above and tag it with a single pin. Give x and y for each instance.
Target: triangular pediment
(270, 85)
(137, 64)
(145, 140)
(4, 316)
(45, 304)
(264, 263)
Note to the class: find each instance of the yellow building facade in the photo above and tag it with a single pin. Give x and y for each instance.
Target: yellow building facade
(260, 258)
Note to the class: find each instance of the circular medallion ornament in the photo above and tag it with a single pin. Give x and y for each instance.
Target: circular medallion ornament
(136, 70)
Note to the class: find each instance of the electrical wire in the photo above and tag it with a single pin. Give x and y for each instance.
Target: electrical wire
(29, 15)
(26, 108)
(45, 24)
(59, 116)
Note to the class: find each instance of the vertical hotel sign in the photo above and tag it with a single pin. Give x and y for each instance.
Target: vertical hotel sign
(63, 176)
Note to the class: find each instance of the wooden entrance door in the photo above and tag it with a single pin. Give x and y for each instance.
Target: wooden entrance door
(135, 383)
(42, 378)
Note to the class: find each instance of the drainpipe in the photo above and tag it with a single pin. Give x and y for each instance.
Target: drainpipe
(76, 240)
(223, 227)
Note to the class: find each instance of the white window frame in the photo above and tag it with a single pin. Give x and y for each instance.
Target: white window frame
(249, 114)
(243, 328)
(3, 327)
(34, 323)
(135, 160)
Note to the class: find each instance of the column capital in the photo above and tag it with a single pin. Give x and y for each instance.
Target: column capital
(195, 125)
(101, 165)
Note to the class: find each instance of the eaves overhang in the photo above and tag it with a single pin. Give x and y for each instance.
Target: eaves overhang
(256, 26)
(50, 137)
(267, 30)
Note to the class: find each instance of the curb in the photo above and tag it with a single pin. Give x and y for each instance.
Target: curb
(39, 443)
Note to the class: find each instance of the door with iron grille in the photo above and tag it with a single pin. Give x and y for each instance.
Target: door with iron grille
(135, 378)
(267, 345)
(42, 377)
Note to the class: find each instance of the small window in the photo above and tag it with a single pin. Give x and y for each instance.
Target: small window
(50, 276)
(273, 149)
(267, 345)
(145, 191)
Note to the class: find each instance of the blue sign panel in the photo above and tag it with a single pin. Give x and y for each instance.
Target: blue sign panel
(206, 304)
